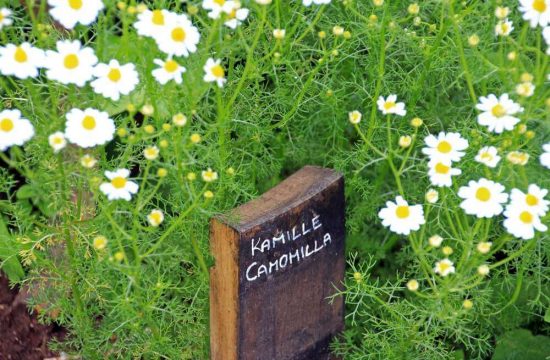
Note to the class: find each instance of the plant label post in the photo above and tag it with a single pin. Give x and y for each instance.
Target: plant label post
(278, 259)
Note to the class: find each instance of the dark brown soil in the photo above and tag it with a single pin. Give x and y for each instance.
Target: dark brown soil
(21, 336)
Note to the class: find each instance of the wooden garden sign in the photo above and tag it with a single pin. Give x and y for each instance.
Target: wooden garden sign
(277, 260)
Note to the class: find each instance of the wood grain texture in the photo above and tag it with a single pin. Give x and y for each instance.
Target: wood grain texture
(286, 258)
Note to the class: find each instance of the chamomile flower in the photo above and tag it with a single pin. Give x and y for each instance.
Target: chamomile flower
(88, 128)
(441, 172)
(483, 269)
(517, 157)
(504, 27)
(236, 16)
(168, 70)
(432, 196)
(521, 221)
(88, 161)
(57, 141)
(178, 37)
(100, 243)
(151, 23)
(444, 267)
(155, 218)
(446, 146)
(214, 72)
(151, 152)
(354, 117)
(5, 19)
(316, 2)
(179, 119)
(497, 113)
(71, 64)
(21, 61)
(435, 241)
(482, 198)
(484, 247)
(413, 285)
(279, 34)
(525, 89)
(217, 7)
(537, 12)
(209, 175)
(390, 106)
(14, 129)
(114, 79)
(488, 156)
(533, 200)
(545, 156)
(70, 12)
(400, 217)
(502, 12)
(119, 187)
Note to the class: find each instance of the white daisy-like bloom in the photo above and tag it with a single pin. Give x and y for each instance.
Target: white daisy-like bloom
(400, 217)
(236, 16)
(179, 119)
(152, 23)
(413, 285)
(488, 156)
(390, 106)
(155, 217)
(522, 222)
(5, 19)
(279, 34)
(435, 241)
(504, 27)
(88, 128)
(546, 35)
(497, 113)
(209, 175)
(354, 117)
(214, 72)
(14, 129)
(545, 156)
(441, 172)
(217, 7)
(444, 267)
(502, 12)
(151, 152)
(517, 157)
(114, 79)
(71, 63)
(525, 89)
(484, 247)
(70, 12)
(21, 61)
(537, 12)
(88, 161)
(316, 2)
(432, 196)
(178, 37)
(446, 146)
(119, 187)
(168, 70)
(483, 269)
(482, 198)
(57, 141)
(533, 200)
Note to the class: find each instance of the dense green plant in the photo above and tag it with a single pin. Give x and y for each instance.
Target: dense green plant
(129, 279)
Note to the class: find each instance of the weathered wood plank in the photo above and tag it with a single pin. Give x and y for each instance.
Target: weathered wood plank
(278, 259)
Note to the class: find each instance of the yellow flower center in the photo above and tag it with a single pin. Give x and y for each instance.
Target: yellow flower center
(1, 17)
(232, 14)
(402, 211)
(178, 34)
(218, 71)
(155, 217)
(158, 17)
(483, 194)
(531, 200)
(443, 266)
(71, 61)
(220, 2)
(444, 147)
(6, 125)
(118, 182)
(88, 122)
(114, 75)
(498, 111)
(486, 156)
(75, 4)
(171, 66)
(57, 140)
(539, 5)
(442, 169)
(526, 217)
(388, 105)
(20, 55)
